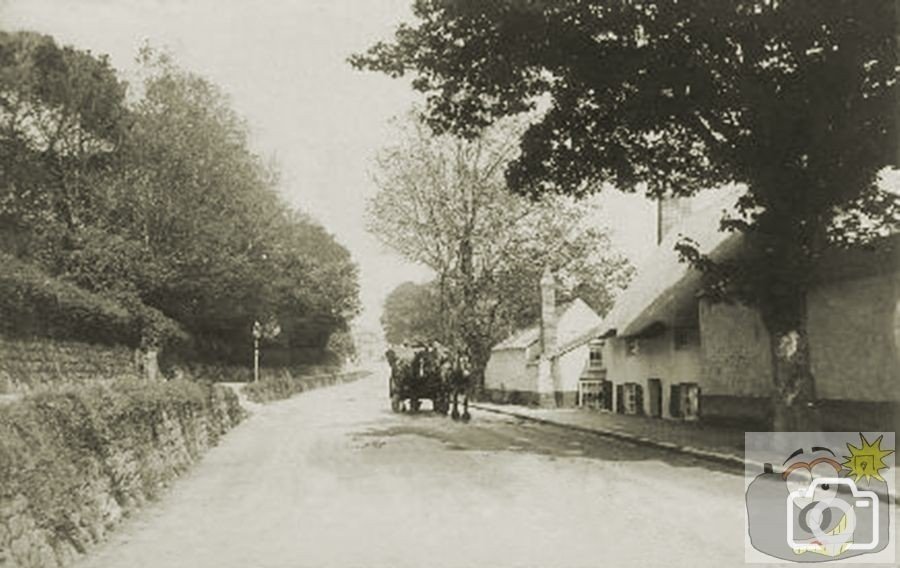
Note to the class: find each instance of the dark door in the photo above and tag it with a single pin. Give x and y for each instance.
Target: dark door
(620, 399)
(606, 389)
(675, 401)
(654, 388)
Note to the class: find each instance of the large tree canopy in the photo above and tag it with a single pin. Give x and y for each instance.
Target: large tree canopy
(681, 96)
(62, 115)
(794, 99)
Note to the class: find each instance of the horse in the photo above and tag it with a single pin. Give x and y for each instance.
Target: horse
(458, 373)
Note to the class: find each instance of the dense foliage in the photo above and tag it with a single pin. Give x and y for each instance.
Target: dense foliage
(153, 198)
(795, 100)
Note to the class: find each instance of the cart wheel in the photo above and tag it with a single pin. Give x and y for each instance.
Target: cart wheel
(395, 403)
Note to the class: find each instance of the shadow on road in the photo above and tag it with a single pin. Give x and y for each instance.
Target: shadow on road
(490, 433)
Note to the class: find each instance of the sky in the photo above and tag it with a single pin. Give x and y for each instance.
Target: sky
(283, 63)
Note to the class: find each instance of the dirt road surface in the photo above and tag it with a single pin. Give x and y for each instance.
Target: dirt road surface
(333, 478)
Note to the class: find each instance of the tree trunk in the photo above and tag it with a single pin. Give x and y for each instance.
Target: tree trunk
(794, 395)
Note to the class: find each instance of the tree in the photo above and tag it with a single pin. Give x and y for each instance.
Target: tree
(443, 203)
(190, 189)
(62, 116)
(158, 200)
(63, 119)
(412, 313)
(795, 100)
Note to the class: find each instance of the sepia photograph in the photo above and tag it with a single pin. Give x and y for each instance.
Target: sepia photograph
(449, 283)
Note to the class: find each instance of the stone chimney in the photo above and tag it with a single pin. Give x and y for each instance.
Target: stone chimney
(670, 211)
(546, 372)
(548, 312)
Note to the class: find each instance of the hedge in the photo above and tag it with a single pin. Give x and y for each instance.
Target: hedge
(33, 303)
(224, 373)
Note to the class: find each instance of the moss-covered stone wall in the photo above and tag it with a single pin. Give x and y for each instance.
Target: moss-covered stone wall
(75, 460)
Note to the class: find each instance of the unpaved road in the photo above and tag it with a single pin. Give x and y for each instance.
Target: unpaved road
(332, 478)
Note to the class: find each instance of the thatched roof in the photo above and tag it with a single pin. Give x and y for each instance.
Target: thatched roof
(522, 339)
(664, 288)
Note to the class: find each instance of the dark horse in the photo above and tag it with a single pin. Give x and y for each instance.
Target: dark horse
(457, 372)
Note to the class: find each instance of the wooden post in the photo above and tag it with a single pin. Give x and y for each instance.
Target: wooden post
(151, 364)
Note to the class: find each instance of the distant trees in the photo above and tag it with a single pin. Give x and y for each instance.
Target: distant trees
(443, 203)
(412, 313)
(795, 100)
(156, 199)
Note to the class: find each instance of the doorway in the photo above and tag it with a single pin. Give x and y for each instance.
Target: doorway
(654, 388)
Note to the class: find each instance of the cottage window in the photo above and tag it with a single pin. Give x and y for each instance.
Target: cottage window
(596, 356)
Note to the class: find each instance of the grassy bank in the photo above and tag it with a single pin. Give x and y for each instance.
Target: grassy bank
(286, 384)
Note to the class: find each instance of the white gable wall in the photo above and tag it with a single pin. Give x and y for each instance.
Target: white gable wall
(571, 366)
(506, 371)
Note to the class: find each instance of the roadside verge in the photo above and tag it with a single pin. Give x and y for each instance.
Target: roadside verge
(733, 461)
(286, 385)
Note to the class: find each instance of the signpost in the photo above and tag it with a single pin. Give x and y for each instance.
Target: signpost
(257, 334)
(269, 330)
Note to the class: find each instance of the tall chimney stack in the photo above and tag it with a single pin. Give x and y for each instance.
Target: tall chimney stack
(548, 312)
(670, 211)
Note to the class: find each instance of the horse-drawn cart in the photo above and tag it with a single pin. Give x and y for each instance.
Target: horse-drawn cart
(416, 374)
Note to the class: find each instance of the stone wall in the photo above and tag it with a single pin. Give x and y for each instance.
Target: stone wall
(29, 363)
(74, 461)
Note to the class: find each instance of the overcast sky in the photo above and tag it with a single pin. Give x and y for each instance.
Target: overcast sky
(284, 64)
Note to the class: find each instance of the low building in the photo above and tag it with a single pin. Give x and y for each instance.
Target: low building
(669, 352)
(543, 363)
